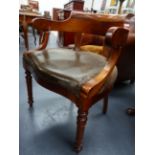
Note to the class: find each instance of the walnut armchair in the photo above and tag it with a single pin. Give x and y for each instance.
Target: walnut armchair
(82, 77)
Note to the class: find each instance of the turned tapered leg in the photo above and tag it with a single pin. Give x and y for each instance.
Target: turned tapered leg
(25, 27)
(81, 122)
(29, 87)
(105, 104)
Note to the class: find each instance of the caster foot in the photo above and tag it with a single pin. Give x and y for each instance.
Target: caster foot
(131, 111)
(77, 149)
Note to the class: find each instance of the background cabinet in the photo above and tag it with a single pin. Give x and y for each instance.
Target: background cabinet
(65, 38)
(74, 5)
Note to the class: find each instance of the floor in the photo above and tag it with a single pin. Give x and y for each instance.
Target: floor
(49, 127)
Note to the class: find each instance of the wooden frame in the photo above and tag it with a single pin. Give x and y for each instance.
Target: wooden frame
(89, 94)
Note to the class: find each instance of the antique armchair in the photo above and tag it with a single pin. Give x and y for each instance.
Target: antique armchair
(82, 77)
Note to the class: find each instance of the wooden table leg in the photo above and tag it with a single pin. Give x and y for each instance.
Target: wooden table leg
(25, 27)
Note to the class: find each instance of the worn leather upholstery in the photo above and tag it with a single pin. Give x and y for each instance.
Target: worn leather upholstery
(67, 67)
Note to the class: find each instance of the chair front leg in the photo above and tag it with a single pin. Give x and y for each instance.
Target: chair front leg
(29, 87)
(105, 99)
(81, 122)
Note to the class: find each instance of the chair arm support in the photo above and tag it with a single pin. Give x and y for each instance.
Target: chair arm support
(95, 85)
(115, 42)
(115, 38)
(44, 41)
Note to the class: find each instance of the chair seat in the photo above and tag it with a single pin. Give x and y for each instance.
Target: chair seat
(67, 67)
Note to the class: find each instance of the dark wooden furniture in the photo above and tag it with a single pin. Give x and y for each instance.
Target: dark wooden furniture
(126, 62)
(25, 20)
(82, 77)
(66, 38)
(55, 13)
(74, 5)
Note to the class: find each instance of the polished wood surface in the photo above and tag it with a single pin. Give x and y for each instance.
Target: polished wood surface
(66, 38)
(126, 63)
(115, 39)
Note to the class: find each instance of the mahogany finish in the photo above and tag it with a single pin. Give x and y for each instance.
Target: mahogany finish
(66, 38)
(90, 92)
(126, 62)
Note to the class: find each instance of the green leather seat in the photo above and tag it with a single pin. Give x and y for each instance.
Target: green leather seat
(66, 67)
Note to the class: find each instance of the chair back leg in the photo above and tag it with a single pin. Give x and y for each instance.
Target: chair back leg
(29, 87)
(105, 104)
